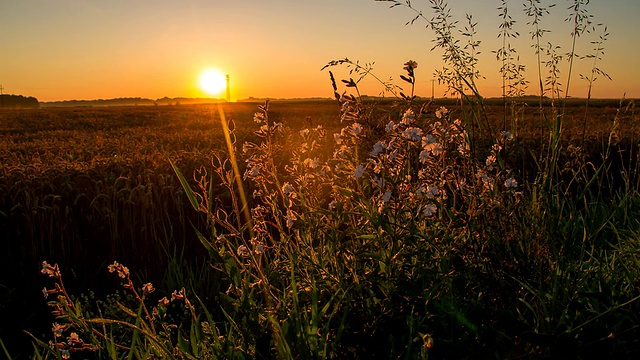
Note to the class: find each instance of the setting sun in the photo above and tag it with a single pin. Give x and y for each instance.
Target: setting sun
(213, 82)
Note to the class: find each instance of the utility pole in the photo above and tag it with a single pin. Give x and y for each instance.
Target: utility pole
(433, 88)
(228, 89)
(1, 96)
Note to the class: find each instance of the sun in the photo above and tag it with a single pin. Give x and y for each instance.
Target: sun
(213, 82)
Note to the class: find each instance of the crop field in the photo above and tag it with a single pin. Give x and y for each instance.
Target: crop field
(84, 187)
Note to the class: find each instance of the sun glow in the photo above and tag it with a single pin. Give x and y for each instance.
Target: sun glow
(213, 82)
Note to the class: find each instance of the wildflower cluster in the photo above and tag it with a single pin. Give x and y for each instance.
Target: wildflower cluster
(387, 192)
(75, 329)
(424, 164)
(420, 169)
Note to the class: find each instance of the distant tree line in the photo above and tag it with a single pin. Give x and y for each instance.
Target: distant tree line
(18, 101)
(137, 101)
(102, 102)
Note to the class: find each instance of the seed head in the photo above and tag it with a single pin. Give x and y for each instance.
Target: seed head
(410, 65)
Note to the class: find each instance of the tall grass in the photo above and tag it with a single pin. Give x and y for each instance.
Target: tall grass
(408, 233)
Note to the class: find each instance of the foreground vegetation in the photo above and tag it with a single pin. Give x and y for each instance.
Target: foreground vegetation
(409, 230)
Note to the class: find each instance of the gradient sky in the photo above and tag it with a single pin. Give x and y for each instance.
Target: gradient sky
(90, 49)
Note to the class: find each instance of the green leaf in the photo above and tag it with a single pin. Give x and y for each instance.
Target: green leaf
(6, 352)
(193, 199)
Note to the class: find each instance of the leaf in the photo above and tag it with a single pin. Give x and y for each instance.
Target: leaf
(409, 80)
(203, 240)
(6, 352)
(187, 189)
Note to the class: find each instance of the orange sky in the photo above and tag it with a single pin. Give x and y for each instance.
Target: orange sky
(89, 49)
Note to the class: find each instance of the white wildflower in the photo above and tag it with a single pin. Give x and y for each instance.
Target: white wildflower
(312, 163)
(379, 182)
(412, 133)
(258, 117)
(386, 197)
(409, 117)
(65, 354)
(259, 248)
(432, 191)
(424, 156)
(511, 183)
(288, 190)
(345, 106)
(242, 251)
(57, 329)
(252, 172)
(434, 148)
(356, 128)
(428, 139)
(506, 135)
(377, 148)
(429, 209)
(442, 111)
(390, 126)
(486, 181)
(290, 218)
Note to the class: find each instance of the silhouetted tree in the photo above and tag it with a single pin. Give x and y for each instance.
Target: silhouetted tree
(18, 101)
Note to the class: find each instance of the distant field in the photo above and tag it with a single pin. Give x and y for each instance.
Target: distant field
(83, 138)
(95, 153)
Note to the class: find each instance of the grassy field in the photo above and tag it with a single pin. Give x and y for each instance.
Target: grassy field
(497, 259)
(86, 186)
